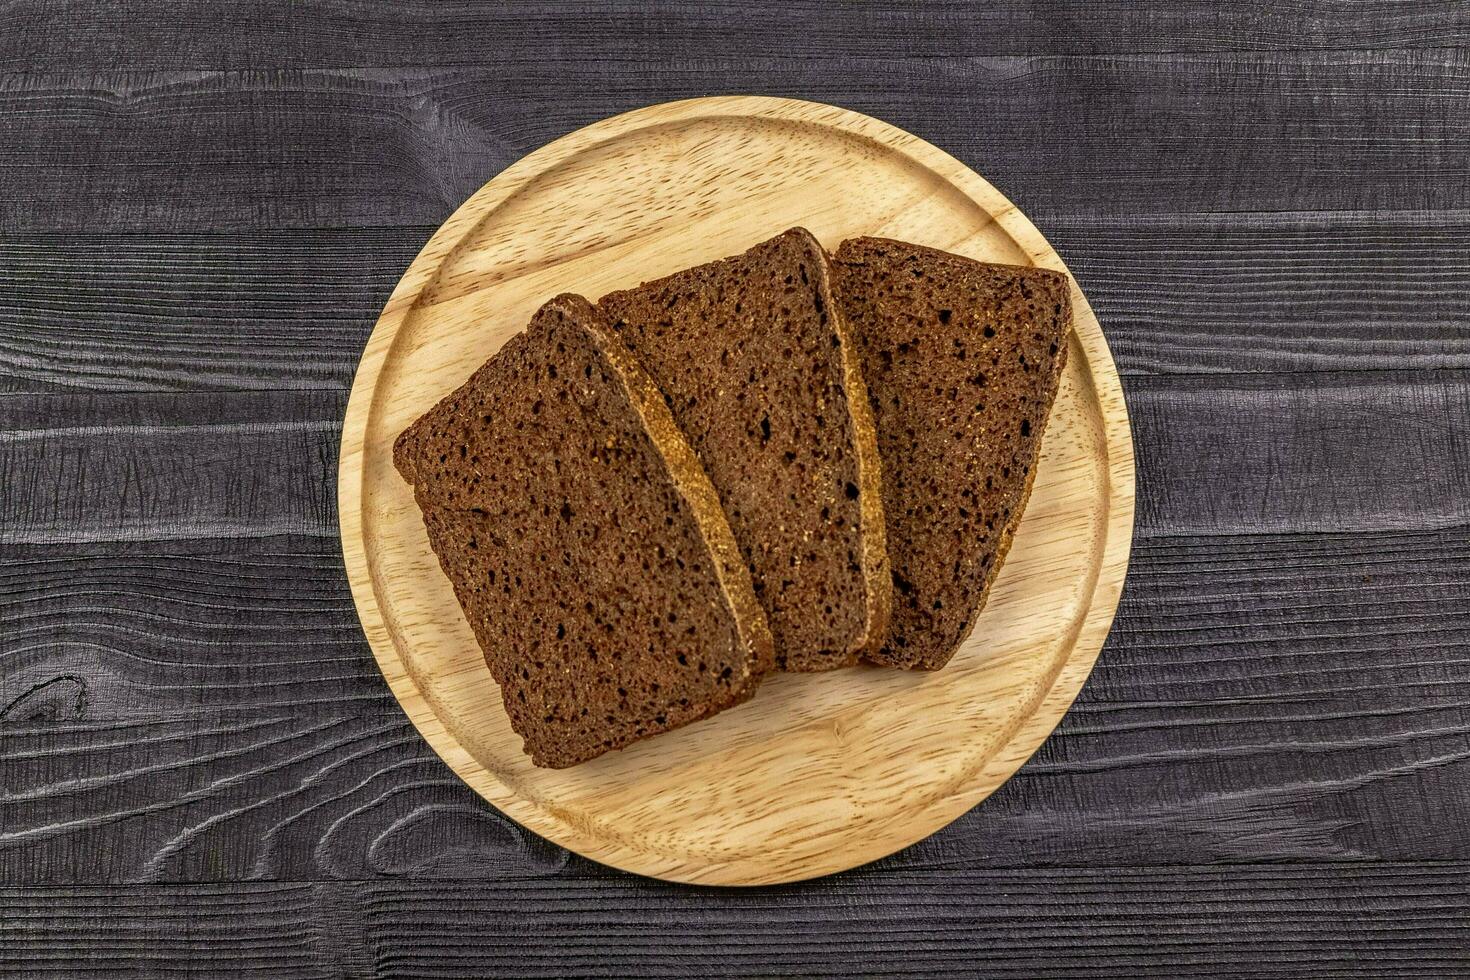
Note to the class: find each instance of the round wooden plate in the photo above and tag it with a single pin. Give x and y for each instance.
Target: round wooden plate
(819, 772)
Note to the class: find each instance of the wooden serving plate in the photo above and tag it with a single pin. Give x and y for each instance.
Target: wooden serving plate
(819, 772)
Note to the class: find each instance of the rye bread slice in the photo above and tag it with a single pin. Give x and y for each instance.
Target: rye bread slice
(962, 361)
(585, 544)
(755, 362)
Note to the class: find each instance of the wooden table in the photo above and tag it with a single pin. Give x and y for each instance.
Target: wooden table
(203, 206)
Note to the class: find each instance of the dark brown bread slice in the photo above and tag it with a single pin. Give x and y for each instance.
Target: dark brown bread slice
(754, 359)
(585, 543)
(962, 361)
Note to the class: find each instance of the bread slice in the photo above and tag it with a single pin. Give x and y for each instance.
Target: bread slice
(584, 542)
(962, 361)
(757, 367)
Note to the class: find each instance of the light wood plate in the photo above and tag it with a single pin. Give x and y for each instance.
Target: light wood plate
(819, 772)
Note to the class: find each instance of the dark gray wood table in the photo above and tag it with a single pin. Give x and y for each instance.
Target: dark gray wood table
(203, 206)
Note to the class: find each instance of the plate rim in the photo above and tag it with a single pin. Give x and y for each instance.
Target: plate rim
(1016, 746)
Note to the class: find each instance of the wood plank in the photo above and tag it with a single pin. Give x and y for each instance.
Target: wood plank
(192, 151)
(1318, 616)
(252, 796)
(1352, 452)
(1275, 292)
(118, 467)
(258, 930)
(1317, 921)
(233, 311)
(197, 711)
(184, 625)
(291, 309)
(1346, 453)
(126, 630)
(177, 625)
(208, 34)
(1278, 922)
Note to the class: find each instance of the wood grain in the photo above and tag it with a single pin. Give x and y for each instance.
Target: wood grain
(165, 627)
(1287, 922)
(820, 773)
(1178, 293)
(231, 795)
(193, 313)
(1412, 420)
(142, 629)
(270, 930)
(1162, 134)
(86, 34)
(114, 467)
(1275, 292)
(1099, 921)
(262, 458)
